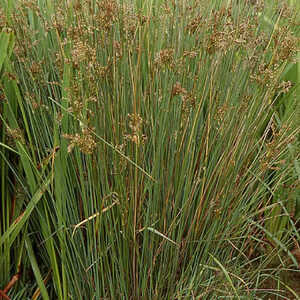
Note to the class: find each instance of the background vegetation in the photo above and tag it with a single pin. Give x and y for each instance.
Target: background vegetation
(149, 149)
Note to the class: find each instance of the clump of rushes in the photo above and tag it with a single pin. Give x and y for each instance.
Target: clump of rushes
(155, 151)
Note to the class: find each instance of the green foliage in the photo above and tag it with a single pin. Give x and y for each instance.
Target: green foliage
(148, 150)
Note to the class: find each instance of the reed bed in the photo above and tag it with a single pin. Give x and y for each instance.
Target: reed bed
(149, 149)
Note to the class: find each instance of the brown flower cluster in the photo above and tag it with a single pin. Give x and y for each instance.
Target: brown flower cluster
(15, 134)
(106, 15)
(85, 141)
(265, 74)
(284, 44)
(135, 124)
(130, 21)
(188, 101)
(195, 24)
(220, 115)
(284, 87)
(80, 53)
(178, 90)
(165, 57)
(275, 146)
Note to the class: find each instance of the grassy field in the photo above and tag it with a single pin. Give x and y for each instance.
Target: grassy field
(149, 149)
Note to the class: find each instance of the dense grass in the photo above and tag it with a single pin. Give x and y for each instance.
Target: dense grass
(149, 150)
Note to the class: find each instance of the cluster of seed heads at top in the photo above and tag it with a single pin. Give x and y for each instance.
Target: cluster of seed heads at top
(83, 41)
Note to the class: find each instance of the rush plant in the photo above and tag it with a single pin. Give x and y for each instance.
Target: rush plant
(149, 149)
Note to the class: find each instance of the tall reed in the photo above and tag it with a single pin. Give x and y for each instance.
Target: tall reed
(149, 150)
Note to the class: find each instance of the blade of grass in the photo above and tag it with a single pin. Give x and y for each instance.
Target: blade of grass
(12, 232)
(36, 270)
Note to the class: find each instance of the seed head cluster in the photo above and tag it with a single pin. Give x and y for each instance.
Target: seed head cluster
(101, 37)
